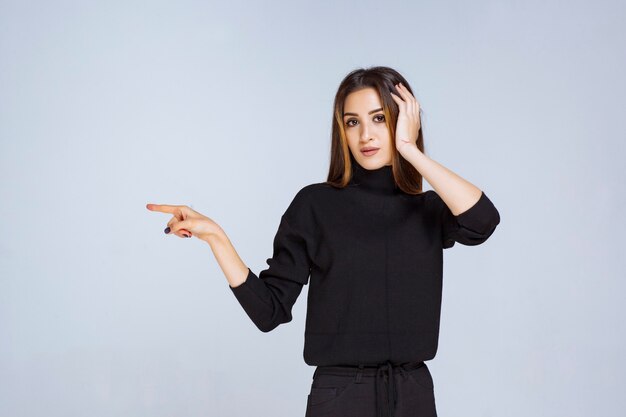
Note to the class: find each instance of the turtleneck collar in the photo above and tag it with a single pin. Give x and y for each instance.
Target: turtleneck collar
(380, 179)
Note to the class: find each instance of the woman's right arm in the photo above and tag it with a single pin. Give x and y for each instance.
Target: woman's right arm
(186, 222)
(227, 257)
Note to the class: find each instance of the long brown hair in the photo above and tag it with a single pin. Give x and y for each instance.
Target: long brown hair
(383, 80)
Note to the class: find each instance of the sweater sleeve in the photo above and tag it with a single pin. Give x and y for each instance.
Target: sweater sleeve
(269, 297)
(472, 227)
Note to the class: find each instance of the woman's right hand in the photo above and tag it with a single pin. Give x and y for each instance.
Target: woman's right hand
(186, 222)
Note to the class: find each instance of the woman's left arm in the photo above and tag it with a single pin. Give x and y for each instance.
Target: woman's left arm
(458, 193)
(468, 216)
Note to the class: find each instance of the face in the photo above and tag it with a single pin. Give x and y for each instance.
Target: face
(364, 123)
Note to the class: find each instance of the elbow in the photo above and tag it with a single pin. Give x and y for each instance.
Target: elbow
(489, 226)
(482, 218)
(474, 226)
(478, 239)
(486, 229)
(470, 237)
(479, 228)
(268, 326)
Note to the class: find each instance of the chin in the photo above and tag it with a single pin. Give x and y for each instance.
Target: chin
(373, 163)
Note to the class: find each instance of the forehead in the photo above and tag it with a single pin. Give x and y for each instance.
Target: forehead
(362, 101)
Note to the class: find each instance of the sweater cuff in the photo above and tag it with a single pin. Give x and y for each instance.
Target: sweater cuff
(481, 217)
(246, 282)
(251, 289)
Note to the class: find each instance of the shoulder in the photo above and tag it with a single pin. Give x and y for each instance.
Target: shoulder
(431, 197)
(432, 202)
(302, 201)
(309, 189)
(301, 212)
(426, 196)
(310, 192)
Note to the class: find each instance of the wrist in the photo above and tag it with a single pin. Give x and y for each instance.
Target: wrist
(215, 237)
(412, 153)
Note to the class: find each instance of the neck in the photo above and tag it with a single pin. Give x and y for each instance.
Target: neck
(380, 179)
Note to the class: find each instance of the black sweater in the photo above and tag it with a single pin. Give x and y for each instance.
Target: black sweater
(374, 255)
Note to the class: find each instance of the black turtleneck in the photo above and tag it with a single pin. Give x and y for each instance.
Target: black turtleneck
(373, 258)
(378, 180)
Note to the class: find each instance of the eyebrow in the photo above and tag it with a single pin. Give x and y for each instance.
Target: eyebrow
(354, 114)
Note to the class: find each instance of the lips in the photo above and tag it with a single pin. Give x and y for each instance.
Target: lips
(369, 151)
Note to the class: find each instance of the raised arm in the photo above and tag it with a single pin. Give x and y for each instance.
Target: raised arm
(465, 212)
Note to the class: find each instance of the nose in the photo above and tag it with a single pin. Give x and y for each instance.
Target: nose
(365, 135)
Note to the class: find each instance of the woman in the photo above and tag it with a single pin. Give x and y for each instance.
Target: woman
(371, 242)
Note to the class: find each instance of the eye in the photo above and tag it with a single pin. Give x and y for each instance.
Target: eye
(378, 118)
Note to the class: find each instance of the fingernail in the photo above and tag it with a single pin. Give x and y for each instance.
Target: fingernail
(167, 230)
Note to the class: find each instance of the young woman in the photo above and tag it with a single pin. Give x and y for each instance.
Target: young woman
(370, 242)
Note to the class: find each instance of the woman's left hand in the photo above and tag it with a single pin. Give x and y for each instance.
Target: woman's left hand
(409, 124)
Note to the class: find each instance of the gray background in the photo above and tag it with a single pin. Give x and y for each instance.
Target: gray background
(107, 106)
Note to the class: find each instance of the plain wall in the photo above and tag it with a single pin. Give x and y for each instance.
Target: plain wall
(226, 107)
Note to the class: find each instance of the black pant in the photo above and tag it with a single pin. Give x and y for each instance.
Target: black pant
(387, 390)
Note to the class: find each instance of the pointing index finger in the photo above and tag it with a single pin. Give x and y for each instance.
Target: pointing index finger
(163, 208)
